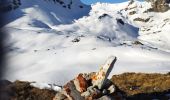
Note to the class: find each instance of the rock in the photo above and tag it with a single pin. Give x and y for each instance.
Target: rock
(94, 95)
(111, 89)
(59, 96)
(105, 91)
(108, 83)
(141, 19)
(70, 91)
(89, 86)
(132, 12)
(76, 40)
(160, 5)
(100, 78)
(105, 98)
(20, 90)
(120, 21)
(80, 83)
(104, 16)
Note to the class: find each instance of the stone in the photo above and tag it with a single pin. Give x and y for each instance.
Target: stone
(59, 96)
(80, 83)
(71, 92)
(100, 78)
(105, 92)
(105, 98)
(104, 16)
(142, 19)
(160, 5)
(111, 89)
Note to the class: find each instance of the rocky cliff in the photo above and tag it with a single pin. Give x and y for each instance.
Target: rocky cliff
(160, 5)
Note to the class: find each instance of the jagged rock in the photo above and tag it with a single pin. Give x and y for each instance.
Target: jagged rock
(80, 83)
(142, 19)
(103, 16)
(71, 92)
(89, 86)
(120, 21)
(100, 78)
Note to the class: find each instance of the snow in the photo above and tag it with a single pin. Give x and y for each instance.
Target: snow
(46, 86)
(41, 48)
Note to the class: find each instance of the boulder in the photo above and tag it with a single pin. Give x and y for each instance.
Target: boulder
(80, 83)
(71, 92)
(100, 78)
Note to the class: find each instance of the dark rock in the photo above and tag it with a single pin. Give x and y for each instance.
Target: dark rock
(132, 12)
(120, 21)
(137, 43)
(103, 16)
(76, 40)
(141, 19)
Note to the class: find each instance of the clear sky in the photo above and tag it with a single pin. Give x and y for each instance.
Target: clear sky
(94, 1)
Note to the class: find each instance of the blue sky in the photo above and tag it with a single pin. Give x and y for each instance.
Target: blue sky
(94, 1)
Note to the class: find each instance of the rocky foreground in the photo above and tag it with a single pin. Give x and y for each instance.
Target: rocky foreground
(130, 86)
(95, 86)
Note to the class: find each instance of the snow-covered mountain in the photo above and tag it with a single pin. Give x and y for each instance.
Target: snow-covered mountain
(45, 13)
(49, 41)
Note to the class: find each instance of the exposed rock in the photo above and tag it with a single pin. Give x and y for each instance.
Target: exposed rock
(141, 19)
(59, 96)
(90, 86)
(71, 92)
(132, 12)
(120, 21)
(23, 91)
(105, 98)
(159, 5)
(137, 43)
(100, 78)
(76, 40)
(103, 16)
(80, 83)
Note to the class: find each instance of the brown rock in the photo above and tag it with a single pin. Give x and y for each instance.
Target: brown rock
(160, 5)
(80, 83)
(19, 90)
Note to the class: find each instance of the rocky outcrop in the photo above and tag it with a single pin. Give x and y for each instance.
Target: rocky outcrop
(90, 86)
(23, 91)
(142, 19)
(160, 5)
(127, 86)
(9, 5)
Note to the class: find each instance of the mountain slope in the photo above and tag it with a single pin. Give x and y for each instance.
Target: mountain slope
(44, 13)
(40, 45)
